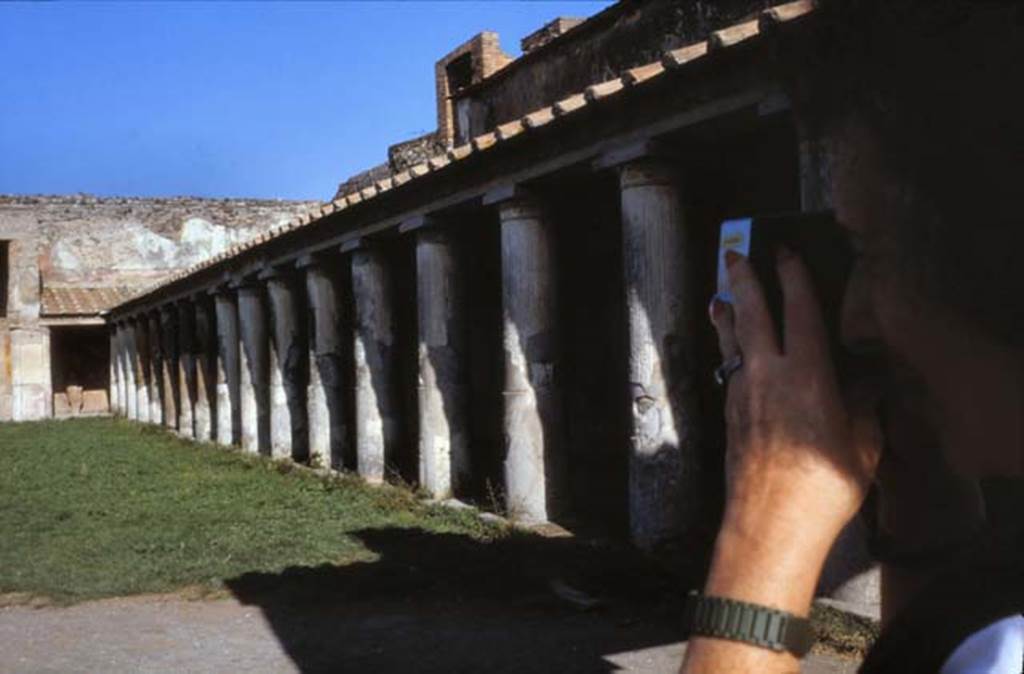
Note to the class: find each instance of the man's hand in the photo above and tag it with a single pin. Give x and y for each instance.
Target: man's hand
(798, 462)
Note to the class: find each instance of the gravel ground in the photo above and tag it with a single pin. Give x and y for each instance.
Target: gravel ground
(171, 634)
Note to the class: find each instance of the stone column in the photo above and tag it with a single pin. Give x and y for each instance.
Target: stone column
(288, 358)
(444, 465)
(205, 359)
(186, 370)
(114, 384)
(229, 408)
(254, 366)
(328, 430)
(169, 364)
(155, 379)
(128, 357)
(124, 368)
(663, 333)
(533, 406)
(376, 402)
(142, 368)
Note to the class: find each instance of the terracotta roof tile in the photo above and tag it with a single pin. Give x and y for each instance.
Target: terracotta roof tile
(419, 170)
(635, 76)
(383, 185)
(788, 12)
(509, 129)
(727, 37)
(401, 178)
(484, 141)
(538, 118)
(438, 162)
(569, 104)
(460, 152)
(596, 92)
(680, 57)
(368, 192)
(81, 301)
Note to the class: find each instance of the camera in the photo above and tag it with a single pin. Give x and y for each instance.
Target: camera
(820, 242)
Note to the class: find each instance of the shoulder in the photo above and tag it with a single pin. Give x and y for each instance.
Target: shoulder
(997, 648)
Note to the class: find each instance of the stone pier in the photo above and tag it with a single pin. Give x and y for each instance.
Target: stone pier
(142, 369)
(114, 384)
(255, 369)
(205, 355)
(376, 403)
(156, 407)
(169, 365)
(228, 381)
(128, 362)
(288, 357)
(663, 377)
(444, 462)
(186, 370)
(533, 407)
(328, 427)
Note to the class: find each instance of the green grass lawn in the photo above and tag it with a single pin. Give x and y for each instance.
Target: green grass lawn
(99, 507)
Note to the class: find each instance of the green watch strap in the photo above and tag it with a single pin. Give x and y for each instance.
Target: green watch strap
(748, 623)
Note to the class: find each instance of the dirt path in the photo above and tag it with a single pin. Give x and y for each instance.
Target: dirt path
(170, 634)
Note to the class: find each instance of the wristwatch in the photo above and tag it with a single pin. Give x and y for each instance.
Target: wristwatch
(748, 623)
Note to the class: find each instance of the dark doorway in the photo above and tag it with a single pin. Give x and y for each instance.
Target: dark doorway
(80, 370)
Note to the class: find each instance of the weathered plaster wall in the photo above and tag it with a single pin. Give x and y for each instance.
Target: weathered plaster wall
(83, 241)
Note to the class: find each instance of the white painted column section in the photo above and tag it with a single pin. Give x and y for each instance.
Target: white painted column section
(254, 366)
(663, 380)
(533, 408)
(374, 342)
(444, 466)
(156, 408)
(142, 368)
(229, 410)
(124, 368)
(205, 357)
(169, 365)
(114, 385)
(186, 370)
(328, 430)
(128, 362)
(288, 357)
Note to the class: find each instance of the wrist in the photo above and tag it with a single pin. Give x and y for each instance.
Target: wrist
(774, 568)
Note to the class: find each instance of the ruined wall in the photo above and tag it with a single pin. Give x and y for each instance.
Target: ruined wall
(626, 35)
(81, 241)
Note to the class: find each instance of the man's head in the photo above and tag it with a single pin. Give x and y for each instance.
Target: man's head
(920, 103)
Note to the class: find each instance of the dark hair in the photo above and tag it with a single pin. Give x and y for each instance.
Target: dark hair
(939, 84)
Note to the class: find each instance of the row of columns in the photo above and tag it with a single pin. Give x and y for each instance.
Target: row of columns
(266, 363)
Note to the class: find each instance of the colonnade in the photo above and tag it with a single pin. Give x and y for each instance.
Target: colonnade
(296, 361)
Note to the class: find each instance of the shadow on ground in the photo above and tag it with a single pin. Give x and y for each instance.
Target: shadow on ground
(448, 603)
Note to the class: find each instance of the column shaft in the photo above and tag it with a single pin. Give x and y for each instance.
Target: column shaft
(142, 369)
(328, 431)
(663, 381)
(254, 366)
(376, 409)
(229, 410)
(169, 365)
(288, 357)
(186, 370)
(128, 361)
(156, 407)
(533, 407)
(205, 357)
(444, 467)
(114, 384)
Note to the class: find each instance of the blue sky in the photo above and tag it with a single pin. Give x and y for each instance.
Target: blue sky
(275, 100)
